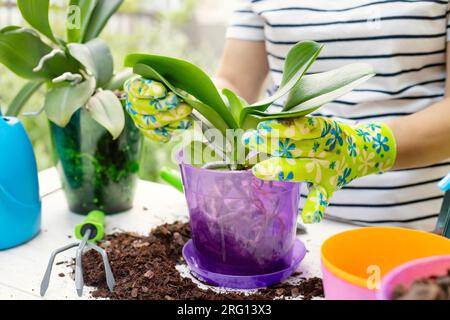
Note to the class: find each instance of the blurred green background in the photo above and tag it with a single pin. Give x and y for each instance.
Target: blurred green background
(189, 29)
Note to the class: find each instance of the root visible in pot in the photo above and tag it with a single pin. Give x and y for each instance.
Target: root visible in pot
(145, 269)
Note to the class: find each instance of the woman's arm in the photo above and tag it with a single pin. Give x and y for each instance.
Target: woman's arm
(424, 137)
(243, 68)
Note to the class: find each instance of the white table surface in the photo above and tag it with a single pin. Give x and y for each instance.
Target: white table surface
(22, 268)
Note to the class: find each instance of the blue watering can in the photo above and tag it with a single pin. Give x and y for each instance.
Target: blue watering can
(20, 205)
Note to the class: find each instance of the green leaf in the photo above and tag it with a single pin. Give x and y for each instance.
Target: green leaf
(236, 104)
(118, 80)
(298, 61)
(56, 62)
(62, 102)
(21, 50)
(211, 114)
(316, 90)
(96, 57)
(35, 12)
(252, 120)
(188, 77)
(80, 16)
(107, 110)
(99, 18)
(319, 89)
(22, 97)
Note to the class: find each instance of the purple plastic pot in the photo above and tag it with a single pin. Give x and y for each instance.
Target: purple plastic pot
(414, 270)
(241, 225)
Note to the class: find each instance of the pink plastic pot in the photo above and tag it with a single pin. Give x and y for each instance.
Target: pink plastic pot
(407, 273)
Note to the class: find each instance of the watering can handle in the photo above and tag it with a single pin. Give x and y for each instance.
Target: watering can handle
(172, 177)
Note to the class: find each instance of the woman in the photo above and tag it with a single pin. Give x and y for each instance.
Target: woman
(404, 103)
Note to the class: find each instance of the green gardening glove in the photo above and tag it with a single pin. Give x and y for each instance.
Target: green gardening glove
(156, 111)
(326, 153)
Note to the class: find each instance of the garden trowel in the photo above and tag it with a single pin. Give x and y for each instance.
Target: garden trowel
(88, 232)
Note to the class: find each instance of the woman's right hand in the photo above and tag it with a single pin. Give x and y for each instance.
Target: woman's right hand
(155, 110)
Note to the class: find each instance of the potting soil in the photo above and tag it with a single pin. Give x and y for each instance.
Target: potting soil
(432, 288)
(145, 268)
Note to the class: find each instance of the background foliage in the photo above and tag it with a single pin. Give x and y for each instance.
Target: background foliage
(141, 26)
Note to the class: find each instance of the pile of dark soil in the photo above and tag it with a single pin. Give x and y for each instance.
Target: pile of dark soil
(433, 288)
(145, 269)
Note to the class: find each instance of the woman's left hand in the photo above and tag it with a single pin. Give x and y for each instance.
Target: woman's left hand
(157, 112)
(326, 153)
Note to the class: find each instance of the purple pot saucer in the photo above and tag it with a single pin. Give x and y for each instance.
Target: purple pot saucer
(242, 282)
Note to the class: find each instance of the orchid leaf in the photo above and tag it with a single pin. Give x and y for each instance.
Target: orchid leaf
(252, 120)
(22, 97)
(62, 102)
(210, 113)
(96, 57)
(236, 104)
(21, 49)
(188, 77)
(103, 11)
(318, 89)
(35, 12)
(314, 91)
(119, 79)
(106, 108)
(298, 61)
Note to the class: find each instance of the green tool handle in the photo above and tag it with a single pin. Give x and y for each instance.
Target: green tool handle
(172, 177)
(95, 222)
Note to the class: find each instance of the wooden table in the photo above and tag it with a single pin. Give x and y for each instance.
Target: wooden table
(22, 268)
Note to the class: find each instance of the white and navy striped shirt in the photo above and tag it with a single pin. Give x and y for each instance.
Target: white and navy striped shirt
(406, 43)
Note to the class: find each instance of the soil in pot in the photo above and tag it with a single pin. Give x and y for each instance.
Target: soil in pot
(432, 288)
(97, 172)
(145, 268)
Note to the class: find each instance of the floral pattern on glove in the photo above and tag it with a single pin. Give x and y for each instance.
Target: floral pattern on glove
(157, 112)
(325, 153)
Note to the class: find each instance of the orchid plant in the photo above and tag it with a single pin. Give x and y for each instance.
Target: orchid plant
(78, 71)
(227, 111)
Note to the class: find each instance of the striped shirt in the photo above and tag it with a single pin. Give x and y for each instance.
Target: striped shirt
(405, 41)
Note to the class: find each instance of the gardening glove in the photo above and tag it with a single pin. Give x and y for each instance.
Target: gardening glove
(156, 111)
(325, 153)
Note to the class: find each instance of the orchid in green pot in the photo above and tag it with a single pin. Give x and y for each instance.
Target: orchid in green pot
(96, 145)
(241, 225)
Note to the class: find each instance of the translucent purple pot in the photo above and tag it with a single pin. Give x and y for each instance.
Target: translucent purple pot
(241, 225)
